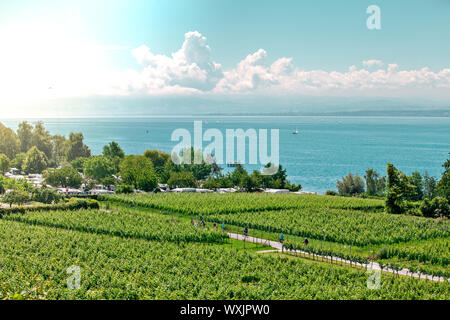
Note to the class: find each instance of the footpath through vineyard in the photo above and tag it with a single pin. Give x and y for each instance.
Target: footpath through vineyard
(372, 265)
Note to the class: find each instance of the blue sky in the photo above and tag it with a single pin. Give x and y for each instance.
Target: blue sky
(318, 35)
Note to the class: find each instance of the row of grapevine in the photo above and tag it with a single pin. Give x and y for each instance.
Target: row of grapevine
(35, 261)
(342, 226)
(122, 224)
(204, 204)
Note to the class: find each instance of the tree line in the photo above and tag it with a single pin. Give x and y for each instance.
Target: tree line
(416, 194)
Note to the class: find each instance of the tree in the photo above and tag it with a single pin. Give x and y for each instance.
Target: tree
(438, 207)
(64, 177)
(45, 195)
(18, 161)
(76, 147)
(98, 167)
(158, 158)
(399, 190)
(42, 140)
(182, 180)
(373, 182)
(9, 142)
(138, 171)
(78, 163)
(350, 185)
(35, 161)
(417, 182)
(443, 185)
(4, 163)
(25, 134)
(113, 150)
(429, 186)
(237, 174)
(60, 149)
(250, 182)
(15, 196)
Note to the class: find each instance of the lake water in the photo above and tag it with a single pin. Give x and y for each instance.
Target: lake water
(325, 149)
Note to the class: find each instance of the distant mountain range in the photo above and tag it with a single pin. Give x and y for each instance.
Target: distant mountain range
(229, 106)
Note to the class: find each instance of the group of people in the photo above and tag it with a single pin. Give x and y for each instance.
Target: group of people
(203, 224)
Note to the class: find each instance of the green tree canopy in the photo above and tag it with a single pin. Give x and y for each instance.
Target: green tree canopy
(444, 184)
(64, 177)
(18, 161)
(182, 180)
(25, 134)
(9, 142)
(350, 185)
(35, 161)
(98, 167)
(76, 147)
(113, 150)
(16, 196)
(138, 171)
(42, 139)
(4, 163)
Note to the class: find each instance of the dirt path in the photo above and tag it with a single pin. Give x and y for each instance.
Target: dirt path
(373, 265)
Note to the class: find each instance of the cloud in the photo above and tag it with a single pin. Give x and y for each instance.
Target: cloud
(372, 63)
(190, 70)
(190, 67)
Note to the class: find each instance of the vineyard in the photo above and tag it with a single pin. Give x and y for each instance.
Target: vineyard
(122, 224)
(213, 203)
(342, 226)
(35, 259)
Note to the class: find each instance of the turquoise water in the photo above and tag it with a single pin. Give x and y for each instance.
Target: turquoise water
(325, 149)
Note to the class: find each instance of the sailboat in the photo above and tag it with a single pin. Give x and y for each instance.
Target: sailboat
(295, 131)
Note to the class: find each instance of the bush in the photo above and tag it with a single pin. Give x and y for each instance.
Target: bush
(125, 188)
(331, 193)
(438, 207)
(16, 196)
(182, 180)
(45, 195)
(71, 204)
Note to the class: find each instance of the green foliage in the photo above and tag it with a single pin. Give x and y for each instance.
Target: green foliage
(375, 184)
(4, 163)
(78, 163)
(98, 167)
(438, 207)
(41, 139)
(125, 189)
(158, 158)
(444, 184)
(350, 185)
(9, 143)
(25, 134)
(331, 193)
(125, 268)
(429, 186)
(35, 161)
(64, 177)
(15, 196)
(45, 195)
(399, 191)
(416, 181)
(113, 150)
(212, 203)
(182, 180)
(138, 171)
(18, 161)
(251, 182)
(76, 147)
